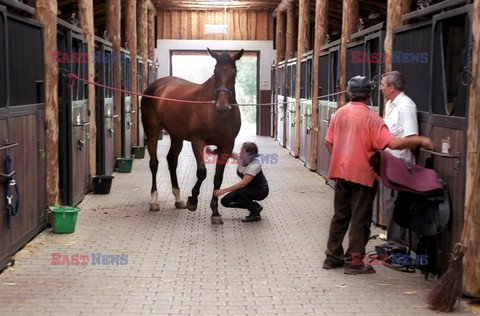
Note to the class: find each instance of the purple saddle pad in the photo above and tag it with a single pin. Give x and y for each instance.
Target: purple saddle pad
(397, 174)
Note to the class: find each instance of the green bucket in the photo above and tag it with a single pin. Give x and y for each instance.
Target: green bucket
(124, 165)
(64, 219)
(138, 151)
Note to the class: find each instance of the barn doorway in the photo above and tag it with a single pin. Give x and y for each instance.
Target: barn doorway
(197, 66)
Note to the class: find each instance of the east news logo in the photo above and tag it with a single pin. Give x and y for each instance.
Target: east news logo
(94, 259)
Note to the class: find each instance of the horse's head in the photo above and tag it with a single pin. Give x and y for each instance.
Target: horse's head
(224, 74)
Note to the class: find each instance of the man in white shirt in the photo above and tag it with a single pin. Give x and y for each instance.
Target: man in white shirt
(400, 115)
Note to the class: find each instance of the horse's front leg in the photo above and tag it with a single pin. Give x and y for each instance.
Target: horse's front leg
(197, 147)
(222, 160)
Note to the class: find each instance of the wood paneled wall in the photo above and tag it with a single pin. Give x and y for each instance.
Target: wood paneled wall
(189, 25)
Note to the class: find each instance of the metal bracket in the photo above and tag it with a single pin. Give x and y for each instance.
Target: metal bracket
(446, 156)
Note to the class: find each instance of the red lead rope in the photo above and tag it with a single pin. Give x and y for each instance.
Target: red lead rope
(73, 77)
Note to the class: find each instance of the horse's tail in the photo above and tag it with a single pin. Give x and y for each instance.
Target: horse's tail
(148, 104)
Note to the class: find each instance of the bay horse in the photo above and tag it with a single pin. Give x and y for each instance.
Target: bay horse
(213, 122)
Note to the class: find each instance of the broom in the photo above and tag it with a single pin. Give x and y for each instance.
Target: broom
(444, 294)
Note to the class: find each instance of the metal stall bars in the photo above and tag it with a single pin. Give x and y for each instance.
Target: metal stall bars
(438, 81)
(281, 105)
(306, 93)
(328, 80)
(126, 119)
(105, 117)
(22, 128)
(273, 102)
(140, 132)
(74, 121)
(291, 84)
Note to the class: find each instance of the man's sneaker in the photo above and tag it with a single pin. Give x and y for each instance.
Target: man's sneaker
(329, 264)
(353, 269)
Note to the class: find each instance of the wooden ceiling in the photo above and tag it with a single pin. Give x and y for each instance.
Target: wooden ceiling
(370, 11)
(187, 5)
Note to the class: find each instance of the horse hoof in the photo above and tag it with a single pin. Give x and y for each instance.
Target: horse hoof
(216, 220)
(191, 207)
(180, 205)
(154, 207)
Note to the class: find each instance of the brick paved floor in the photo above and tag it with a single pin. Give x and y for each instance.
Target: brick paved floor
(178, 263)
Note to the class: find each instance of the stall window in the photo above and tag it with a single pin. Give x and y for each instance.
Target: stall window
(333, 75)
(451, 74)
(3, 64)
(417, 75)
(281, 86)
(323, 76)
(374, 69)
(27, 56)
(303, 79)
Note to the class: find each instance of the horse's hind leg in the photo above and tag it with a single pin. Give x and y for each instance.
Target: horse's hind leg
(152, 139)
(172, 159)
(197, 147)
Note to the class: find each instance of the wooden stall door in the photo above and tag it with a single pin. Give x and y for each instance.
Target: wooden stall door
(104, 109)
(80, 133)
(140, 132)
(306, 111)
(126, 108)
(447, 124)
(22, 130)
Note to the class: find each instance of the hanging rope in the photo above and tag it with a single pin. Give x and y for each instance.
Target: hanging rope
(72, 77)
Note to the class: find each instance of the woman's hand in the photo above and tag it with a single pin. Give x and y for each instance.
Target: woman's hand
(219, 192)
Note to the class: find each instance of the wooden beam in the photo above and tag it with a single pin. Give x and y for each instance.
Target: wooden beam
(471, 230)
(349, 23)
(395, 10)
(283, 6)
(289, 53)
(290, 48)
(143, 38)
(151, 32)
(113, 30)
(303, 23)
(280, 55)
(46, 13)
(321, 31)
(131, 35)
(85, 8)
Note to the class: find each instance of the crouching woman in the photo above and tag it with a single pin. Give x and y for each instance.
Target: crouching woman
(252, 187)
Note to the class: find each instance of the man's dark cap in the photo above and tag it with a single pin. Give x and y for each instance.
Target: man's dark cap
(359, 85)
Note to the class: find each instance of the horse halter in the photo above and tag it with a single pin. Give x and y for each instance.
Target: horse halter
(230, 92)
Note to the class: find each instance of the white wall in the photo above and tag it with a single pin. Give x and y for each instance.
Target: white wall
(267, 54)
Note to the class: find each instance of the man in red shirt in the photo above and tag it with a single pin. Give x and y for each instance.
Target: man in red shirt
(354, 135)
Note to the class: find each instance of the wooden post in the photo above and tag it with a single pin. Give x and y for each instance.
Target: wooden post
(152, 12)
(349, 24)
(131, 34)
(303, 21)
(85, 8)
(142, 37)
(395, 10)
(471, 229)
(321, 29)
(289, 53)
(280, 39)
(46, 13)
(290, 48)
(113, 30)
